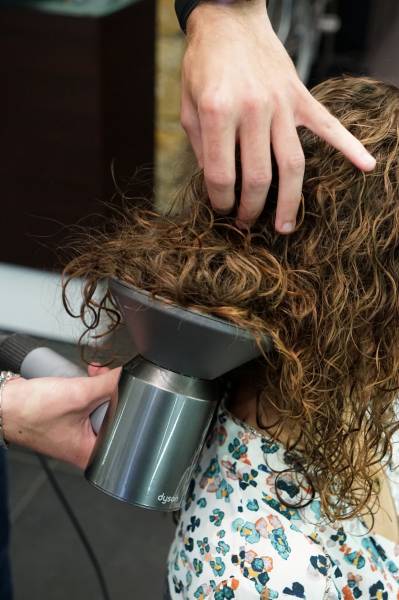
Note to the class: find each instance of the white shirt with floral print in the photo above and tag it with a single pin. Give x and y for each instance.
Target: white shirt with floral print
(236, 540)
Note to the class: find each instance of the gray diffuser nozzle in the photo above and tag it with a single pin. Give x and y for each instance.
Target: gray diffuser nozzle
(182, 340)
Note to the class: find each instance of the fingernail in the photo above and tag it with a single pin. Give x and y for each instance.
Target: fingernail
(369, 161)
(287, 227)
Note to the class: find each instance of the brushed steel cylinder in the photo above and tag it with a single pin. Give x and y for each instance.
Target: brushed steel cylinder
(146, 453)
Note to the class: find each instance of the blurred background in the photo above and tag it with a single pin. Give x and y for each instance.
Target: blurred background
(89, 103)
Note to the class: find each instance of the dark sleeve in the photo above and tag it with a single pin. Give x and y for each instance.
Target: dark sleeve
(183, 9)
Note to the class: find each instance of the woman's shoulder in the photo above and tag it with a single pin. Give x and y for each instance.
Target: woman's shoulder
(228, 550)
(234, 538)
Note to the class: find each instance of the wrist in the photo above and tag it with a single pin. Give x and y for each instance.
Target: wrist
(207, 11)
(10, 408)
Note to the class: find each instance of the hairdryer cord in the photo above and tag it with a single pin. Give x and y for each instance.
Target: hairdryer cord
(77, 526)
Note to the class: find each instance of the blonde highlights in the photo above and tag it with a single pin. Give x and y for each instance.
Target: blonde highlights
(327, 295)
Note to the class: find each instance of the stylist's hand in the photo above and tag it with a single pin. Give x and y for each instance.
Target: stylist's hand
(51, 414)
(239, 85)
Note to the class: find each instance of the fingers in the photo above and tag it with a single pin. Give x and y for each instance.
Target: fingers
(322, 123)
(218, 130)
(291, 167)
(100, 388)
(256, 164)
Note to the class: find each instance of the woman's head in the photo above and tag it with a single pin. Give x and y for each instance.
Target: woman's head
(327, 295)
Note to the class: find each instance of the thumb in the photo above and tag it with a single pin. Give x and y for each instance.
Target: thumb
(94, 369)
(101, 388)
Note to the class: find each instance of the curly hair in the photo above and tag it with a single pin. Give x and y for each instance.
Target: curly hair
(326, 295)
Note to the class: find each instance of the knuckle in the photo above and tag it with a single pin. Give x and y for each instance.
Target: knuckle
(295, 163)
(186, 123)
(184, 117)
(215, 106)
(254, 103)
(258, 181)
(220, 182)
(187, 118)
(328, 121)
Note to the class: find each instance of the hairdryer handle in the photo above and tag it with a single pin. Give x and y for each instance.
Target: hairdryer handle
(98, 415)
(23, 354)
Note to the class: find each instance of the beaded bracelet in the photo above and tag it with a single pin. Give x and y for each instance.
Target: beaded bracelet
(4, 377)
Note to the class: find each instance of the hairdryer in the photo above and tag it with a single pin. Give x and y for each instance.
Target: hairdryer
(148, 446)
(146, 452)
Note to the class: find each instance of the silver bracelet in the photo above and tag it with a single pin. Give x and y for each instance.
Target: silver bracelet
(4, 377)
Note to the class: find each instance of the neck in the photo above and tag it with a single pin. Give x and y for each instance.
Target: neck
(243, 405)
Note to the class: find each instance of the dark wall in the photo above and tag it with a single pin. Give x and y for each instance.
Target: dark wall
(347, 50)
(77, 93)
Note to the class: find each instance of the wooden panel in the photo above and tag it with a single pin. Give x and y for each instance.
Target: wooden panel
(77, 93)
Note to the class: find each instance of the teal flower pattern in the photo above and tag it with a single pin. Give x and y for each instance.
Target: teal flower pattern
(237, 540)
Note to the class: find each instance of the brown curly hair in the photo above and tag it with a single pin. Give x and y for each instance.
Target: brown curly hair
(327, 295)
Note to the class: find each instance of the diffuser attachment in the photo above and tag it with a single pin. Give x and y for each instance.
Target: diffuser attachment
(181, 340)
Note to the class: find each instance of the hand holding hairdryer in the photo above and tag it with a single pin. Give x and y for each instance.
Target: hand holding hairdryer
(148, 445)
(51, 413)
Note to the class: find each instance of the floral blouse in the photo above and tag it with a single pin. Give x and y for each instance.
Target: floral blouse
(235, 539)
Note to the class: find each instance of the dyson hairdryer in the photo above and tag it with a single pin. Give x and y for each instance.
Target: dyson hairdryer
(146, 451)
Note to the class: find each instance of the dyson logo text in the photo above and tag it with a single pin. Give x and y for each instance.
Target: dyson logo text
(167, 499)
